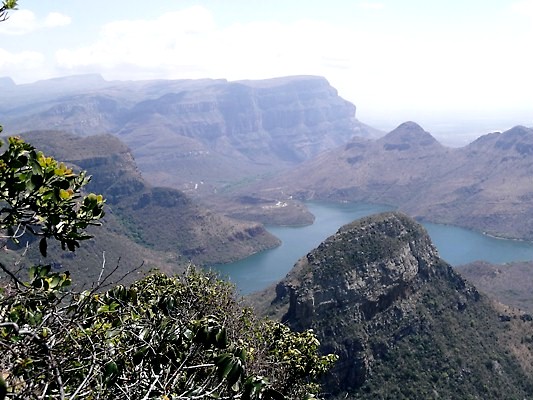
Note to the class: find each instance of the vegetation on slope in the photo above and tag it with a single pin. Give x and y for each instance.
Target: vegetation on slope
(404, 324)
(510, 283)
(161, 219)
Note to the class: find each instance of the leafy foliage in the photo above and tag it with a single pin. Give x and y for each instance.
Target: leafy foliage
(41, 196)
(166, 338)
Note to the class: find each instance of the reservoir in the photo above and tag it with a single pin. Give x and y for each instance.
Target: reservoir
(455, 245)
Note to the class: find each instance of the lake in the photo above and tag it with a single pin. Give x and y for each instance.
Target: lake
(455, 245)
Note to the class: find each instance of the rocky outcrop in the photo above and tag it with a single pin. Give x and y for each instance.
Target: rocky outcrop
(407, 136)
(365, 268)
(402, 322)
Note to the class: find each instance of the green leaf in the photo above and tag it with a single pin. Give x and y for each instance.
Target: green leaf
(44, 270)
(221, 339)
(138, 356)
(55, 282)
(234, 374)
(224, 364)
(43, 246)
(32, 273)
(110, 369)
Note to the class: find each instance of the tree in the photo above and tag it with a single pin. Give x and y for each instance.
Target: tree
(6, 6)
(41, 196)
(164, 337)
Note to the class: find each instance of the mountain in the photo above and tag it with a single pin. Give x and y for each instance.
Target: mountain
(510, 283)
(404, 324)
(6, 83)
(158, 218)
(485, 186)
(199, 136)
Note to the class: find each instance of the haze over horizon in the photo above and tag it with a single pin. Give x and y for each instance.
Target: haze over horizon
(460, 69)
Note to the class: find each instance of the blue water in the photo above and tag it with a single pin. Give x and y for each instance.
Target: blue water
(455, 245)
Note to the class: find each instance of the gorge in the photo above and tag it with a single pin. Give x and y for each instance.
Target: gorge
(455, 245)
(237, 155)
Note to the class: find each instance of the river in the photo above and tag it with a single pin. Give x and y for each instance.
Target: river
(455, 245)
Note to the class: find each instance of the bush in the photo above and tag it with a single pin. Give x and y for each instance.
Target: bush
(163, 337)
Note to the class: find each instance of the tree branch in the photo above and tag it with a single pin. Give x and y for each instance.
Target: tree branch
(17, 281)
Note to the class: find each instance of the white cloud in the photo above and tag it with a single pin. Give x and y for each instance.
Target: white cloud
(55, 19)
(523, 7)
(373, 67)
(189, 44)
(22, 22)
(145, 43)
(523, 10)
(26, 60)
(19, 23)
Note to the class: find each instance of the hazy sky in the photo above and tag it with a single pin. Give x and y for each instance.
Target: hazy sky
(409, 59)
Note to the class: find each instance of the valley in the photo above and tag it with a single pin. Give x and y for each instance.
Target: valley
(193, 170)
(242, 147)
(485, 186)
(272, 200)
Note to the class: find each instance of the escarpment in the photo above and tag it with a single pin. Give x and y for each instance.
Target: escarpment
(198, 135)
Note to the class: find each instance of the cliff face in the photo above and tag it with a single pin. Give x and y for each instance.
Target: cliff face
(288, 120)
(200, 135)
(403, 323)
(365, 268)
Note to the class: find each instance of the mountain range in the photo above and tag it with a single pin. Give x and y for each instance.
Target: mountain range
(158, 226)
(199, 136)
(403, 322)
(252, 149)
(485, 186)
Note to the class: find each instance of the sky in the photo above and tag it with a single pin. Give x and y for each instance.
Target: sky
(440, 63)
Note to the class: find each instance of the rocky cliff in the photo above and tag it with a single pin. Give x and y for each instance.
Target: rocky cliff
(197, 136)
(403, 323)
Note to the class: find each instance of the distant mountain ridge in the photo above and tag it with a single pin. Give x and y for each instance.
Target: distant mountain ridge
(195, 135)
(404, 324)
(486, 186)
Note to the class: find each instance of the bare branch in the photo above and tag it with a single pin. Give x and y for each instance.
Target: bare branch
(102, 270)
(17, 281)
